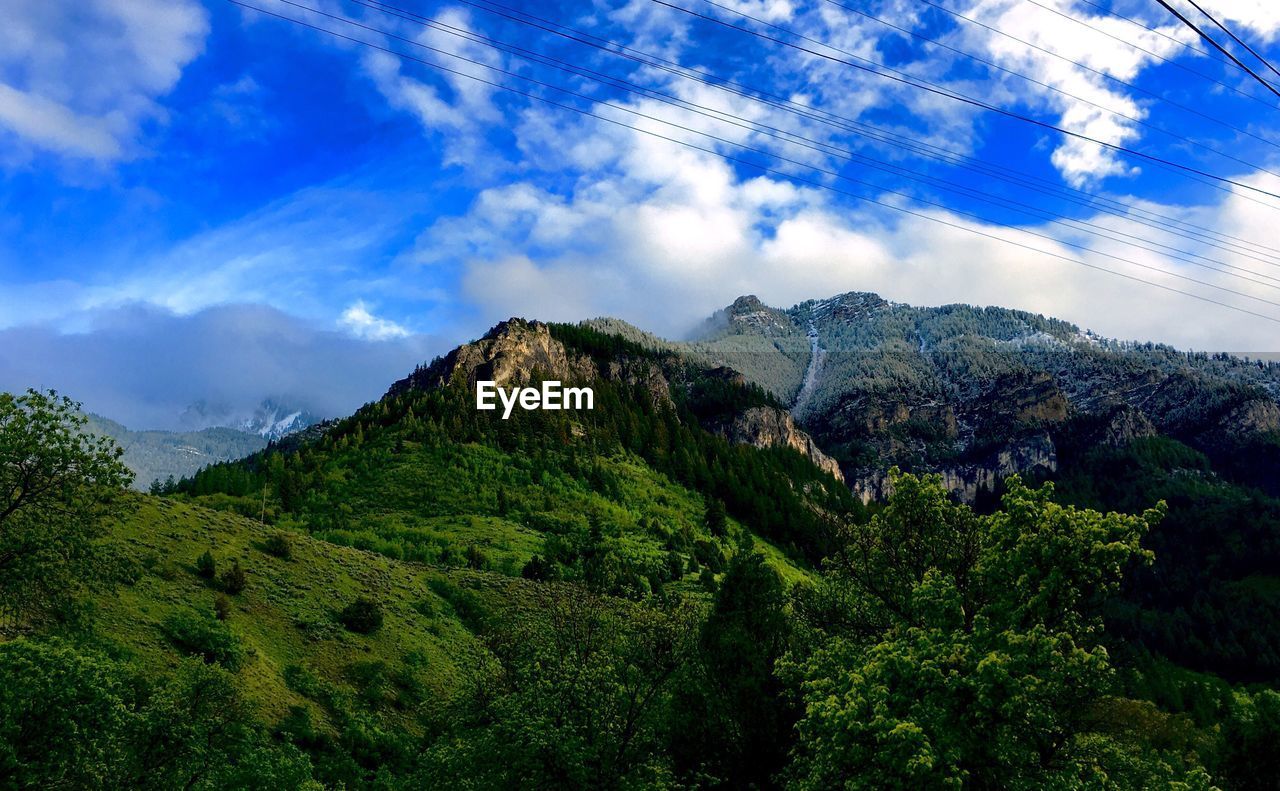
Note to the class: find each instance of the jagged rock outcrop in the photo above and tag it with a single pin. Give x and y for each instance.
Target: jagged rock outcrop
(1029, 455)
(767, 427)
(511, 353)
(1241, 424)
(517, 351)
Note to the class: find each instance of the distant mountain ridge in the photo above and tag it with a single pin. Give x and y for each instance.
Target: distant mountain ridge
(981, 393)
(272, 419)
(158, 455)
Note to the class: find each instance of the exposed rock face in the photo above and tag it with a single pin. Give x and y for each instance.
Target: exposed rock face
(512, 352)
(1029, 455)
(1126, 425)
(516, 351)
(1243, 422)
(766, 427)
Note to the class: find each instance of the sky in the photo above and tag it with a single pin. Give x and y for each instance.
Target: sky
(202, 201)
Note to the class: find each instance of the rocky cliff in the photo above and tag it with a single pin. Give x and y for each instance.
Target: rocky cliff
(767, 427)
(517, 351)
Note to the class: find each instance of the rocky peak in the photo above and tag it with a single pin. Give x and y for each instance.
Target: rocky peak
(768, 427)
(514, 351)
(748, 312)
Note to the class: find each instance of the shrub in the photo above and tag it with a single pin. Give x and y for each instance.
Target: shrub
(280, 546)
(221, 607)
(364, 615)
(234, 580)
(476, 559)
(206, 637)
(539, 568)
(206, 566)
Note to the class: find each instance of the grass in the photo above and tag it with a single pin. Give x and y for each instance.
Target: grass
(287, 615)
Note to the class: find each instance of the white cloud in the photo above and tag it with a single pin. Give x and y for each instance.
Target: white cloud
(364, 325)
(456, 105)
(80, 79)
(1080, 162)
(309, 253)
(1257, 17)
(664, 236)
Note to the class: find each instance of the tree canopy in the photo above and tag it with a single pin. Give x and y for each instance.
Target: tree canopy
(58, 485)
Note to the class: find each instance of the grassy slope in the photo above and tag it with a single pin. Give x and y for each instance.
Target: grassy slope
(411, 505)
(287, 614)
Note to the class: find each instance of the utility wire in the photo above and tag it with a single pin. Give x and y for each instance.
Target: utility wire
(1121, 209)
(792, 138)
(1234, 37)
(1157, 31)
(764, 168)
(1068, 94)
(1216, 46)
(906, 79)
(1047, 51)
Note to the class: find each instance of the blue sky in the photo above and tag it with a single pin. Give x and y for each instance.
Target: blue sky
(172, 168)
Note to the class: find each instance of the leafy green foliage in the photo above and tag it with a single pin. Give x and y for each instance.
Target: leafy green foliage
(1211, 600)
(76, 719)
(973, 655)
(61, 484)
(364, 615)
(279, 545)
(575, 697)
(735, 719)
(207, 637)
(234, 580)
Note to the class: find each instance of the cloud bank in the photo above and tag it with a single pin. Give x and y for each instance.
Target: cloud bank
(144, 366)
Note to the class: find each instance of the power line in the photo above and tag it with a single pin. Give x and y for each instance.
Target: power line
(1149, 29)
(1216, 46)
(1126, 211)
(1068, 94)
(786, 136)
(774, 171)
(1047, 51)
(906, 79)
(1234, 37)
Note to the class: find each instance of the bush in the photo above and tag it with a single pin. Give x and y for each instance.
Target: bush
(221, 607)
(363, 615)
(476, 559)
(206, 566)
(206, 637)
(234, 580)
(280, 546)
(539, 568)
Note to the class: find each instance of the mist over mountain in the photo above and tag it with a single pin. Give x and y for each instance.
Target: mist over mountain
(153, 369)
(271, 419)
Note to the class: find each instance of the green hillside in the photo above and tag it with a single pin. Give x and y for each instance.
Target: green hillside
(424, 595)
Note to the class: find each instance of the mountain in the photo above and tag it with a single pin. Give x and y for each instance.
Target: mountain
(978, 394)
(158, 455)
(683, 586)
(272, 419)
